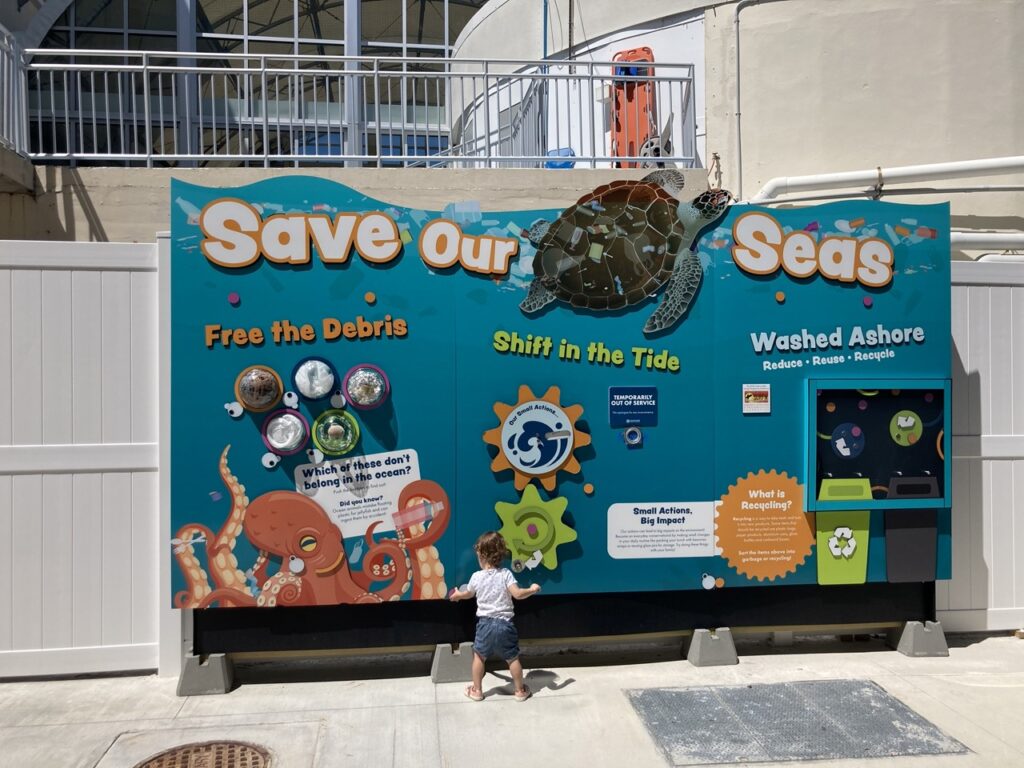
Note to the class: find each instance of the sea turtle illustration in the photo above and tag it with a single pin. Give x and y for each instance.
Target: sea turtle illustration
(621, 243)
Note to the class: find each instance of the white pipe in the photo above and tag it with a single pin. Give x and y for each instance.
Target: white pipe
(978, 241)
(993, 166)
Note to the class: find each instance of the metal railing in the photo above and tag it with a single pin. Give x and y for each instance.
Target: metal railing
(213, 108)
(13, 111)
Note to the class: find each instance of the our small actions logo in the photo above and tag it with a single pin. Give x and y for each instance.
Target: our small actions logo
(536, 437)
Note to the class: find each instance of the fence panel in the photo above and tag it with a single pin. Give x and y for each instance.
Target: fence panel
(78, 485)
(987, 589)
(79, 510)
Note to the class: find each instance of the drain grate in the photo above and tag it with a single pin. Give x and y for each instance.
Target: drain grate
(210, 754)
(816, 720)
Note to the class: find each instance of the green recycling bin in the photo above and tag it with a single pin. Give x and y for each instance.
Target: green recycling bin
(843, 546)
(843, 536)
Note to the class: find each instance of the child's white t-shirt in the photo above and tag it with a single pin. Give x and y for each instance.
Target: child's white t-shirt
(492, 596)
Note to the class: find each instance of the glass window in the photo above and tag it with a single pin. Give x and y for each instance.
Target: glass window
(264, 46)
(99, 13)
(219, 45)
(381, 22)
(424, 22)
(99, 40)
(152, 43)
(271, 18)
(219, 17)
(322, 19)
(152, 15)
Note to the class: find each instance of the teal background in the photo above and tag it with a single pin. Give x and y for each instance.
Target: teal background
(446, 376)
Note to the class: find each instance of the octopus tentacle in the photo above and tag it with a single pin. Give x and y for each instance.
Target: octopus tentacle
(220, 558)
(398, 573)
(222, 561)
(227, 597)
(261, 566)
(428, 572)
(197, 585)
(281, 589)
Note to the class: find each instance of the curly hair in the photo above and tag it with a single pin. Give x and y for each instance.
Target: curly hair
(491, 548)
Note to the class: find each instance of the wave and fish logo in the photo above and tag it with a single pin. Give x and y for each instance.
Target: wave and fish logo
(536, 437)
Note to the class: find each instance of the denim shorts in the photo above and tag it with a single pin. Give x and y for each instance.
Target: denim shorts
(496, 637)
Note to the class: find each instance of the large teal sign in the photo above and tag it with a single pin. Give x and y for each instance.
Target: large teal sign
(360, 389)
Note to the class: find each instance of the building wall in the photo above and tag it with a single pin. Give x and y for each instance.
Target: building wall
(828, 86)
(842, 86)
(486, 35)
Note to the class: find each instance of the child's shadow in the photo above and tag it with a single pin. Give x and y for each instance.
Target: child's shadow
(536, 679)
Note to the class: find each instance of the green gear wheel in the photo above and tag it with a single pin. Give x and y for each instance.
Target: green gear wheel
(534, 524)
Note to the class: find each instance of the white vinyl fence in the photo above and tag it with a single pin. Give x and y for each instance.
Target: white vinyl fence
(81, 543)
(987, 589)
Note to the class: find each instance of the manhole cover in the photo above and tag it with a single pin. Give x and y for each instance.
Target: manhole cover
(210, 754)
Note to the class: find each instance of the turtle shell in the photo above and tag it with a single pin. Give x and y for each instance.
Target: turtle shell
(613, 248)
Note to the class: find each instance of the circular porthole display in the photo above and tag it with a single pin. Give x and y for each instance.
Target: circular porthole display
(314, 378)
(258, 388)
(335, 432)
(285, 432)
(366, 387)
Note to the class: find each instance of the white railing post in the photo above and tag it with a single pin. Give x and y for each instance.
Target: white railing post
(265, 105)
(590, 101)
(487, 114)
(145, 110)
(376, 106)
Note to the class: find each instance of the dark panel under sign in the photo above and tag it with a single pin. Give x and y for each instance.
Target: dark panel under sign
(239, 630)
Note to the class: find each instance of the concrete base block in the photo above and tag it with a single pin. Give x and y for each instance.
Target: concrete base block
(919, 640)
(200, 677)
(452, 667)
(712, 649)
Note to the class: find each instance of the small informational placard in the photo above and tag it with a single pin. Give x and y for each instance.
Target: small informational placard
(633, 406)
(757, 398)
(661, 529)
(358, 490)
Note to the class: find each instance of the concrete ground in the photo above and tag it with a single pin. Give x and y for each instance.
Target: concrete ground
(340, 713)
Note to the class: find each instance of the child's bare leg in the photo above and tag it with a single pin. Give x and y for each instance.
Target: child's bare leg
(478, 672)
(516, 668)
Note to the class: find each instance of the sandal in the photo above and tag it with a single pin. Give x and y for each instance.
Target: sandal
(474, 693)
(524, 694)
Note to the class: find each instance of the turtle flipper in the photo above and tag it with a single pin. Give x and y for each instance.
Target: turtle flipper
(538, 297)
(679, 293)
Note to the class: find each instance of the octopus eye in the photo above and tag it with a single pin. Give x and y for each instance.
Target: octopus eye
(307, 543)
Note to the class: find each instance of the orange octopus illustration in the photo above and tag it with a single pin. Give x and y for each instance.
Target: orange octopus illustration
(314, 568)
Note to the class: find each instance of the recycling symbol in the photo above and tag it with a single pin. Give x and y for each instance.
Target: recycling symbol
(841, 543)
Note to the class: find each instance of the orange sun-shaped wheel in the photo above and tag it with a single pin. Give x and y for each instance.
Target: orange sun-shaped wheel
(536, 438)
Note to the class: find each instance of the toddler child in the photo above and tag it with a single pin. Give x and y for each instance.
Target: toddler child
(494, 587)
